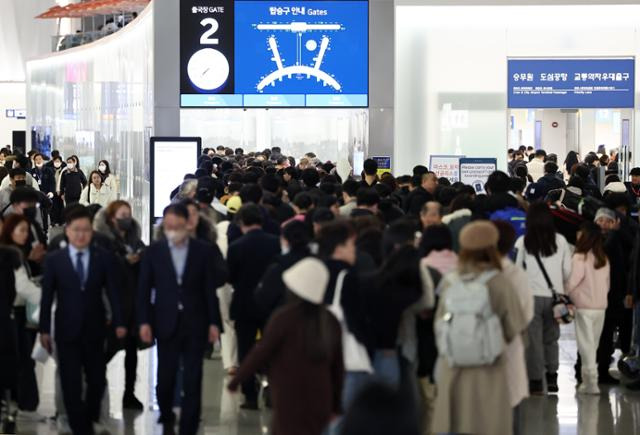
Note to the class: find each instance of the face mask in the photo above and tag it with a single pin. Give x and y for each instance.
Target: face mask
(125, 224)
(102, 168)
(71, 165)
(57, 165)
(39, 165)
(284, 249)
(21, 183)
(175, 236)
(30, 213)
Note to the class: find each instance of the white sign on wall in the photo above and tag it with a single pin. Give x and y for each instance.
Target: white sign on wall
(446, 166)
(475, 172)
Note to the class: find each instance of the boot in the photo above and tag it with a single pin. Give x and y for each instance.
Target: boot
(552, 382)
(536, 388)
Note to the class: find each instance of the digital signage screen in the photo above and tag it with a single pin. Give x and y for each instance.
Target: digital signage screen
(287, 53)
(571, 83)
(171, 158)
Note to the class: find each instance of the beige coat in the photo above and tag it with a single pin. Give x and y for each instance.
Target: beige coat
(476, 400)
(516, 363)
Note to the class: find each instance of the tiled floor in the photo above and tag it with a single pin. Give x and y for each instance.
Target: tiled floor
(615, 411)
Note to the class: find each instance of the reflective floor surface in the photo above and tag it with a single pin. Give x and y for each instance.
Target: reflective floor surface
(615, 411)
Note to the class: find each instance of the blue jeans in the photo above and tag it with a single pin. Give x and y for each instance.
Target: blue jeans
(387, 367)
(353, 383)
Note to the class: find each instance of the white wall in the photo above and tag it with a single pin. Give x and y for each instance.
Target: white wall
(457, 55)
(12, 96)
(21, 36)
(554, 139)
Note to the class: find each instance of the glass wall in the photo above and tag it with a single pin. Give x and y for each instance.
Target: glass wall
(332, 134)
(96, 101)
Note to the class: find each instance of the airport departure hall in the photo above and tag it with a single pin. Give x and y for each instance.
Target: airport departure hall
(319, 217)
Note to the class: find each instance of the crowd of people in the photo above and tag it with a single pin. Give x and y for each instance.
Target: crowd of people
(384, 304)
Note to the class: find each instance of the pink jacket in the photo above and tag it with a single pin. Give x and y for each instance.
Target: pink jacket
(587, 286)
(442, 261)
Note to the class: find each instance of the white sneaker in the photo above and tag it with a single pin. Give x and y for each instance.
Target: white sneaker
(585, 388)
(31, 416)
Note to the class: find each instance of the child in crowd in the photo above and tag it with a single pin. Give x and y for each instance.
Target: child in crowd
(587, 287)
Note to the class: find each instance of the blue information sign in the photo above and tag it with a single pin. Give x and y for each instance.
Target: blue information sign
(274, 53)
(571, 83)
(384, 164)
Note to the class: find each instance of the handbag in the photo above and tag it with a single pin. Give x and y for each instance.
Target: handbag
(563, 308)
(356, 358)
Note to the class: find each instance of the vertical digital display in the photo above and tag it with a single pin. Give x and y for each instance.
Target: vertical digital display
(171, 158)
(280, 53)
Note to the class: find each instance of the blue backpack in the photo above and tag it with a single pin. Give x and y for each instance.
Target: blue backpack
(515, 216)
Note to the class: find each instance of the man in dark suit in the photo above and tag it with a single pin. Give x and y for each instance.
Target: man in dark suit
(183, 314)
(75, 277)
(424, 191)
(248, 259)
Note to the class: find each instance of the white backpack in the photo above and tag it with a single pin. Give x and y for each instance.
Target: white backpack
(470, 333)
(356, 358)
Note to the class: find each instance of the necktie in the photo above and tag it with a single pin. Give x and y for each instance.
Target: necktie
(80, 269)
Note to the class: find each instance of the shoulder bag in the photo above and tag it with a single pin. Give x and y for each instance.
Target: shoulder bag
(563, 309)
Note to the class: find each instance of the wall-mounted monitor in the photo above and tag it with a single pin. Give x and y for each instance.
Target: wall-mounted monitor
(171, 159)
(286, 53)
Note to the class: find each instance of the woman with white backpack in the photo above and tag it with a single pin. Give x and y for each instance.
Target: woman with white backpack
(479, 312)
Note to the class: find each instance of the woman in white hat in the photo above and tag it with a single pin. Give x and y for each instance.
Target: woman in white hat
(302, 348)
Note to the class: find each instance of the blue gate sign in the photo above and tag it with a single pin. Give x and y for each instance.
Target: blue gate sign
(571, 83)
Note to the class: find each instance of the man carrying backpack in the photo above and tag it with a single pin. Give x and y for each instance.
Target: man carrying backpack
(503, 204)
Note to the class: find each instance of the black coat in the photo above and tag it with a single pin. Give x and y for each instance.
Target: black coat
(130, 273)
(544, 185)
(272, 291)
(79, 313)
(390, 211)
(415, 200)
(9, 260)
(248, 259)
(46, 179)
(71, 185)
(278, 210)
(619, 259)
(199, 283)
(269, 225)
(353, 302)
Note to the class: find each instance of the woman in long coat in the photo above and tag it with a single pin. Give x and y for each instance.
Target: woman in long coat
(475, 400)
